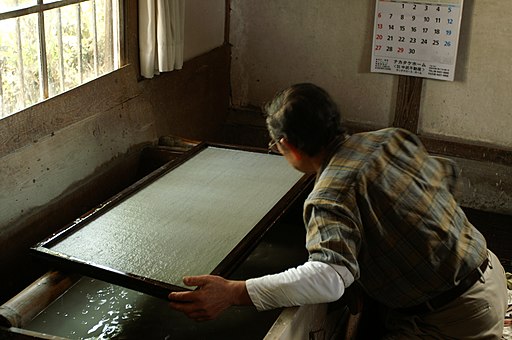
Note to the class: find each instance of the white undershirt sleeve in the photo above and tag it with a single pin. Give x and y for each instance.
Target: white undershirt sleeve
(312, 282)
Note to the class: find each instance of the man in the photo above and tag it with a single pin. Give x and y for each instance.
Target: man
(382, 214)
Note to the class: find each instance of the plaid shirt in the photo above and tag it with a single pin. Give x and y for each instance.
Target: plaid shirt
(385, 209)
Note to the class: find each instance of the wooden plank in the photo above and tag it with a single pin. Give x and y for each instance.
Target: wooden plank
(84, 102)
(299, 323)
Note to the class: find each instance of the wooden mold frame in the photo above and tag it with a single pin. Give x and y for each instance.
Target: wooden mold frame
(144, 284)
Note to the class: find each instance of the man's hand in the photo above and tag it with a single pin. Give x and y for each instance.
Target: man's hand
(214, 295)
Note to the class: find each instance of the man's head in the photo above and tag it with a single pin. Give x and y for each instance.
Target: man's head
(306, 116)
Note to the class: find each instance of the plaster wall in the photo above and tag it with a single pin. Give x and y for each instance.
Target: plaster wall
(204, 26)
(477, 105)
(328, 42)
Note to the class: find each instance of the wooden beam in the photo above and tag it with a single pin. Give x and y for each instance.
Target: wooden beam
(37, 8)
(407, 110)
(464, 149)
(452, 147)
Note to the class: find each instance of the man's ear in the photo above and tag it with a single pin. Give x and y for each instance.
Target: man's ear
(296, 153)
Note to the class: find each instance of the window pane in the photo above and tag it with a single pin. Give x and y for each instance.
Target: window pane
(11, 5)
(70, 46)
(68, 66)
(104, 12)
(89, 40)
(54, 51)
(80, 41)
(19, 59)
(8, 66)
(30, 48)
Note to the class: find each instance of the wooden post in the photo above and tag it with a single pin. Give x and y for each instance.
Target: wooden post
(407, 110)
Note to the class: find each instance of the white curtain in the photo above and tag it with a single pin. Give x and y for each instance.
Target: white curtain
(161, 26)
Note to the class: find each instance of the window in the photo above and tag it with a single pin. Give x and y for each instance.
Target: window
(50, 46)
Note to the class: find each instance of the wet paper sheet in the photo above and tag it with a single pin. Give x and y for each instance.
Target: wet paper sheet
(186, 222)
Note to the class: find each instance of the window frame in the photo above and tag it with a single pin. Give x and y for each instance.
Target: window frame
(40, 8)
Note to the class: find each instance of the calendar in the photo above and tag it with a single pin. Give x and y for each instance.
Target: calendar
(416, 38)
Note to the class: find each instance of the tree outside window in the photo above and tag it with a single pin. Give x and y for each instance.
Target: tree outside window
(48, 47)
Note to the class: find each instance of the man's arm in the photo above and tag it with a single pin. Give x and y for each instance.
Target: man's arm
(312, 282)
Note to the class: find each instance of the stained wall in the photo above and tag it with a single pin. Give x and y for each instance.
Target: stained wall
(278, 43)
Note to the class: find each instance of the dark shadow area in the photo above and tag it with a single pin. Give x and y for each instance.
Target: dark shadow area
(497, 229)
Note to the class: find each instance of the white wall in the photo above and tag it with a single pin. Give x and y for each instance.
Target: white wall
(204, 26)
(478, 105)
(328, 42)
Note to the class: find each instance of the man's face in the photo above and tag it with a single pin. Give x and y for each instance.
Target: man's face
(295, 158)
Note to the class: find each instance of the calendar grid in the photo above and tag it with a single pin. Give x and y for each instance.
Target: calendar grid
(417, 38)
